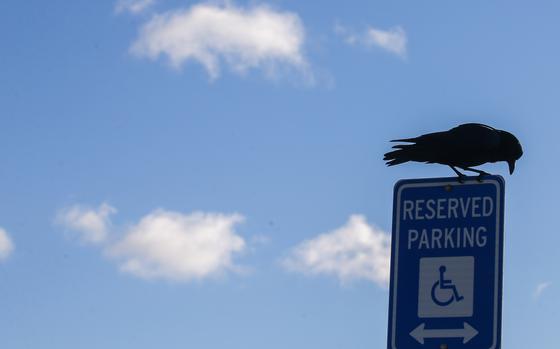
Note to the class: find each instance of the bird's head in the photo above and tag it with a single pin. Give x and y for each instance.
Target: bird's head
(510, 148)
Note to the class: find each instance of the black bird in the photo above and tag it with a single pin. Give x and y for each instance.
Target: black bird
(464, 146)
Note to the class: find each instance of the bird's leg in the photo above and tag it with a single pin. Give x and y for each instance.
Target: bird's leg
(481, 173)
(460, 175)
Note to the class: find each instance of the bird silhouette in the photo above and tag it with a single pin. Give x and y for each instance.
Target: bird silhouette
(464, 146)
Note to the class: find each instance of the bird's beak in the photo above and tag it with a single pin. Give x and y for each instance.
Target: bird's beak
(511, 165)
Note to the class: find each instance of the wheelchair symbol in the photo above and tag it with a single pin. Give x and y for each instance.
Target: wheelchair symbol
(443, 284)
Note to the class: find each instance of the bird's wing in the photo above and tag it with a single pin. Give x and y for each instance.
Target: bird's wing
(474, 137)
(469, 145)
(464, 145)
(474, 125)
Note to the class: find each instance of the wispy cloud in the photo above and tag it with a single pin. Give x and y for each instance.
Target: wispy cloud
(393, 40)
(180, 247)
(6, 245)
(163, 244)
(92, 225)
(133, 6)
(541, 287)
(354, 251)
(226, 35)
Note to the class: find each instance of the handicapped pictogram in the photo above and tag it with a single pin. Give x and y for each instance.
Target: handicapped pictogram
(443, 284)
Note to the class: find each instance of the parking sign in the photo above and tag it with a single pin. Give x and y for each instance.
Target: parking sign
(446, 264)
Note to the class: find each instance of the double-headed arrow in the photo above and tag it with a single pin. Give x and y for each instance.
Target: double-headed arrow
(467, 333)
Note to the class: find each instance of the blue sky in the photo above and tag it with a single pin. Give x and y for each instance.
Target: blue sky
(181, 174)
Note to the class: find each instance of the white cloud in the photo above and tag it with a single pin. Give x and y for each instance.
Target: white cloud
(541, 287)
(133, 6)
(353, 251)
(163, 244)
(180, 247)
(393, 40)
(349, 36)
(92, 224)
(6, 245)
(214, 35)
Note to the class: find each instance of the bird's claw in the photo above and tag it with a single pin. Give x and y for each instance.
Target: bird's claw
(481, 176)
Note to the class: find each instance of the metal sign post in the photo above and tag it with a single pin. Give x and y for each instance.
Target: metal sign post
(446, 264)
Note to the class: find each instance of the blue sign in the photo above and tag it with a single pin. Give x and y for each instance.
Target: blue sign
(446, 264)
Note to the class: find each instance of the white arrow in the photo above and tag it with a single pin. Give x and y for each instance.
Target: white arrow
(467, 333)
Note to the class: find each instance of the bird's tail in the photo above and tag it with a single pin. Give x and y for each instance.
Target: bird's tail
(406, 140)
(399, 156)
